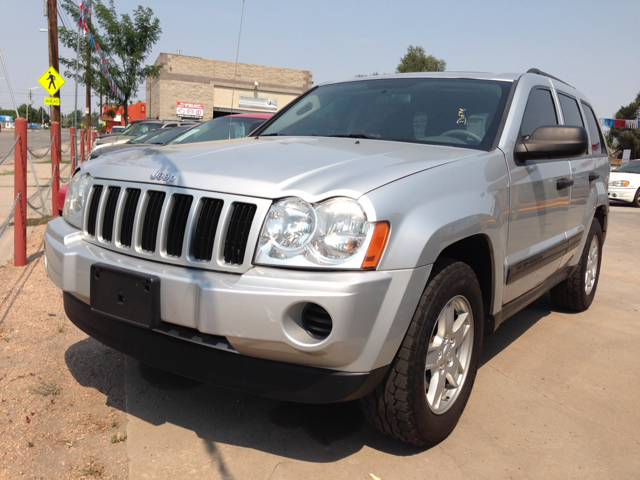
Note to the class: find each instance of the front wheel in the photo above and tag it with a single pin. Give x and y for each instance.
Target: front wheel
(636, 199)
(577, 292)
(430, 380)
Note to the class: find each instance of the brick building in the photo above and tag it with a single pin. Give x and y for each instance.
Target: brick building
(205, 87)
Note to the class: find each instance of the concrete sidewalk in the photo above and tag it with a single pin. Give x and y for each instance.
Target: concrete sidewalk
(556, 397)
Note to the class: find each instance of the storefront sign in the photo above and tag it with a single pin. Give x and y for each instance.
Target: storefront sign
(190, 110)
(267, 103)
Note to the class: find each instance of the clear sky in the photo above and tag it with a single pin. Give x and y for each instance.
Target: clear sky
(593, 45)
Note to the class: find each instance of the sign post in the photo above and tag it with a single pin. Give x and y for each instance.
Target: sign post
(626, 156)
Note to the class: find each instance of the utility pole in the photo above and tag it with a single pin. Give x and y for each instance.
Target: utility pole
(88, 94)
(52, 11)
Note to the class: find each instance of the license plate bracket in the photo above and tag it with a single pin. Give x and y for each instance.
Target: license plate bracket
(125, 295)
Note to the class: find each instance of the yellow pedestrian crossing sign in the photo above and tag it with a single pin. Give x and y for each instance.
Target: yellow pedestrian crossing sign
(51, 81)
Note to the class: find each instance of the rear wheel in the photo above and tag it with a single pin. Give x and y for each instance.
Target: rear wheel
(577, 292)
(428, 385)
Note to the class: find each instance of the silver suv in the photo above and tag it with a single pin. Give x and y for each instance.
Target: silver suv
(359, 245)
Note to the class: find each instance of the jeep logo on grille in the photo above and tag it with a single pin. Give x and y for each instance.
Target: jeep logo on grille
(164, 177)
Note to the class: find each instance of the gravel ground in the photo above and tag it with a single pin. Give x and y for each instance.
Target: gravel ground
(61, 411)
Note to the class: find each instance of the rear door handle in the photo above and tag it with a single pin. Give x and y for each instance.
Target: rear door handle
(563, 183)
(594, 176)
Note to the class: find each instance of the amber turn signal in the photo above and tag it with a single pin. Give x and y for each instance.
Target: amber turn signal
(376, 247)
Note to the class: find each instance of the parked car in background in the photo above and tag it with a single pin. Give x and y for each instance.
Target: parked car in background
(117, 129)
(223, 128)
(360, 244)
(624, 183)
(137, 128)
(151, 138)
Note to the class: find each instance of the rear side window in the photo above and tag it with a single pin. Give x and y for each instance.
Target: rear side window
(570, 111)
(598, 147)
(540, 111)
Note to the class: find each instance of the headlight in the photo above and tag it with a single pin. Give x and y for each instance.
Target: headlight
(619, 183)
(75, 198)
(331, 233)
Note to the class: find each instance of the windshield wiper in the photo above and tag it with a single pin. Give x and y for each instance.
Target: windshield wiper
(272, 135)
(351, 135)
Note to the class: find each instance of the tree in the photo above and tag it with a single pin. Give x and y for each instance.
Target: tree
(627, 139)
(127, 41)
(415, 60)
(67, 120)
(36, 115)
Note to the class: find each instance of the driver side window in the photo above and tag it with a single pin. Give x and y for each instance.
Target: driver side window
(540, 111)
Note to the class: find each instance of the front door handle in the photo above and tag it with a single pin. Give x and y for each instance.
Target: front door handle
(594, 176)
(563, 183)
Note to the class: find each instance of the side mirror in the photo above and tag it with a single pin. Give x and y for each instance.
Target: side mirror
(557, 141)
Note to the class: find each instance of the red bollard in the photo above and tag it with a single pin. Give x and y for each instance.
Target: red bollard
(20, 187)
(72, 148)
(88, 142)
(55, 167)
(81, 145)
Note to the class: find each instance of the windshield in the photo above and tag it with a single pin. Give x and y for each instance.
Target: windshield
(145, 136)
(219, 129)
(166, 134)
(138, 128)
(456, 112)
(630, 167)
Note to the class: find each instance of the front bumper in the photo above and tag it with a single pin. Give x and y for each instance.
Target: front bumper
(624, 194)
(257, 313)
(282, 381)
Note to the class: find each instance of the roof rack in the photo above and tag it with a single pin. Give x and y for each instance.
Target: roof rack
(545, 74)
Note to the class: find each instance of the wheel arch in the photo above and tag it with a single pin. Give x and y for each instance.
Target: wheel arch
(477, 252)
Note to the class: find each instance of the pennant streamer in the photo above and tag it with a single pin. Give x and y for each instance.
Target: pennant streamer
(85, 7)
(614, 123)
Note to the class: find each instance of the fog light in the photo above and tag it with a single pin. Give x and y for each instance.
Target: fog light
(316, 321)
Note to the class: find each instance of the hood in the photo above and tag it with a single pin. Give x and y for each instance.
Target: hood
(312, 168)
(623, 175)
(113, 138)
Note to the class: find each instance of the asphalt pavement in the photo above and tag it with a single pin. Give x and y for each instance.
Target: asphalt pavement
(556, 397)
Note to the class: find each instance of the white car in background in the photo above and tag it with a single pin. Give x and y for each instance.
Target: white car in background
(624, 183)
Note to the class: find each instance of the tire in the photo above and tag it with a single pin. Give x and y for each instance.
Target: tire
(577, 292)
(636, 199)
(406, 405)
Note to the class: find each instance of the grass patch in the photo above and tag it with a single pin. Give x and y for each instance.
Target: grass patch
(92, 469)
(46, 388)
(34, 222)
(8, 172)
(117, 438)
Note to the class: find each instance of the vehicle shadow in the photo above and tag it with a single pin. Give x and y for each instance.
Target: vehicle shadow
(312, 433)
(515, 327)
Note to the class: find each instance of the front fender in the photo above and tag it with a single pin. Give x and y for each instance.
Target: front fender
(432, 209)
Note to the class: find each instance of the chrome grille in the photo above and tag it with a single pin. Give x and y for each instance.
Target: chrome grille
(236, 241)
(175, 225)
(208, 218)
(109, 213)
(154, 203)
(178, 223)
(128, 216)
